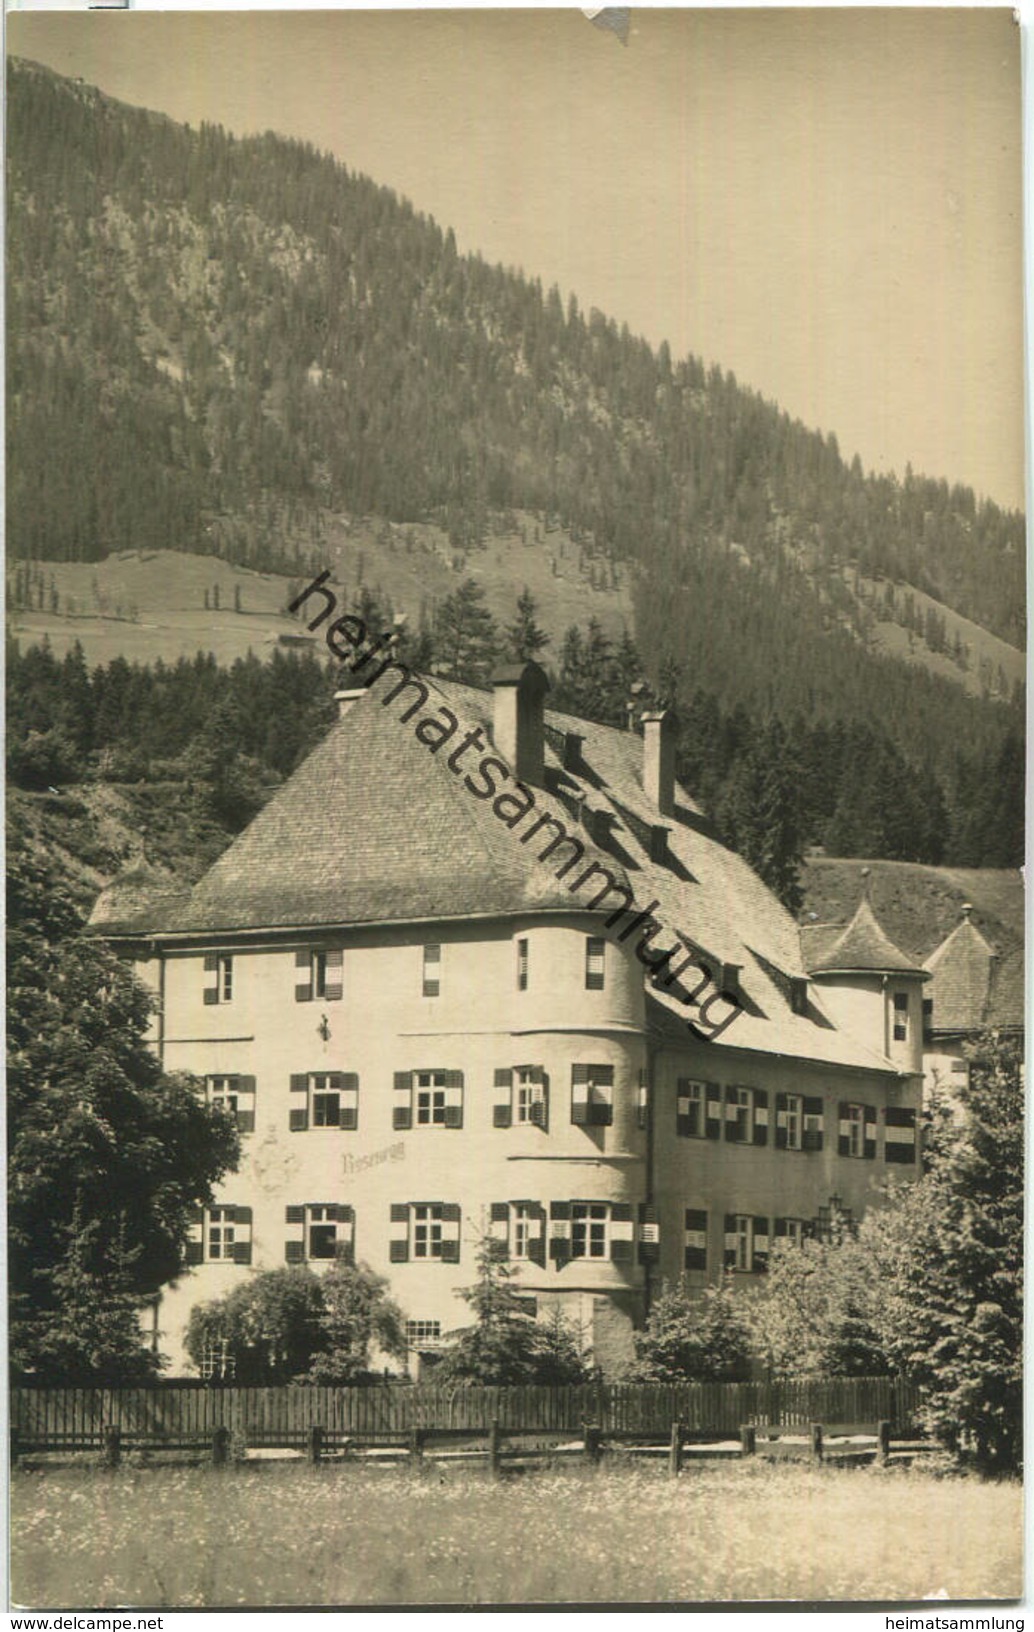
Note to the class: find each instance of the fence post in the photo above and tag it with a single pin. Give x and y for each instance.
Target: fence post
(816, 1442)
(315, 1443)
(748, 1439)
(416, 1443)
(220, 1447)
(112, 1446)
(675, 1450)
(882, 1442)
(593, 1438)
(494, 1447)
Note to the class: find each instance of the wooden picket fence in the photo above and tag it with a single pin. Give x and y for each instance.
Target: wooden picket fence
(174, 1416)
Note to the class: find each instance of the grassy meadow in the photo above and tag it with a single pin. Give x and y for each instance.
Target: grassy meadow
(290, 1534)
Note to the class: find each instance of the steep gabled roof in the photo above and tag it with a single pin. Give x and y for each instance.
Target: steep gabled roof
(971, 986)
(862, 948)
(375, 828)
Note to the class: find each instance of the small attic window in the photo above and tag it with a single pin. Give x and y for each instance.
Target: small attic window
(571, 755)
(658, 843)
(729, 980)
(798, 995)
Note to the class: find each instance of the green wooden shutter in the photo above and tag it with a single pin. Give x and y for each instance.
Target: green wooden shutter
(780, 1122)
(761, 1247)
(451, 1215)
(334, 987)
(729, 1253)
(649, 1234)
(622, 1232)
(761, 1116)
(713, 1102)
(560, 1232)
(453, 1099)
(294, 1215)
(350, 1092)
(294, 1252)
(246, 1119)
(580, 1095)
(899, 1134)
(537, 1243)
(303, 987)
(398, 1246)
(869, 1147)
(298, 1118)
(242, 1249)
(502, 1109)
(696, 1238)
(540, 1107)
(402, 1110)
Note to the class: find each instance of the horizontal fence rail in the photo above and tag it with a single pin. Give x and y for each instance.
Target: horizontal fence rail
(174, 1414)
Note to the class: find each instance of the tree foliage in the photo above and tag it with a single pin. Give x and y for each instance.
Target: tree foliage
(506, 1344)
(290, 1325)
(815, 1314)
(693, 1336)
(108, 1155)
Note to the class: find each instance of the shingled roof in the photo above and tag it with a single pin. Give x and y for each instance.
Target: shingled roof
(375, 828)
(862, 948)
(971, 986)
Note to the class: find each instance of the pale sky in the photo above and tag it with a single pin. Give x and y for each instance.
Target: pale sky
(827, 203)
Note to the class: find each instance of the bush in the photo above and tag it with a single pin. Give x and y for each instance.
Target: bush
(693, 1337)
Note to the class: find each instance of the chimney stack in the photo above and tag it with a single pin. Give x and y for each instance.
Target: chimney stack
(346, 700)
(518, 724)
(659, 760)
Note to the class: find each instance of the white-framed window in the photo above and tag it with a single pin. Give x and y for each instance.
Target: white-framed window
(746, 1115)
(589, 1221)
(432, 970)
(691, 1108)
(592, 1095)
(521, 1097)
(235, 1094)
(746, 1242)
(522, 965)
(425, 1231)
(814, 1121)
(218, 977)
(430, 1098)
(790, 1230)
(318, 1231)
(220, 1235)
(901, 1017)
(595, 963)
(423, 1334)
(857, 1130)
(592, 1230)
(324, 1099)
(318, 974)
(519, 1229)
(217, 1364)
(798, 1122)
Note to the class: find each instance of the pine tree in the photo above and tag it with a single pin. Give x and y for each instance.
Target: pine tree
(465, 637)
(524, 638)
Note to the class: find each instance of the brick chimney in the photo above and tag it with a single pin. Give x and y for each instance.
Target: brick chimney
(518, 719)
(659, 760)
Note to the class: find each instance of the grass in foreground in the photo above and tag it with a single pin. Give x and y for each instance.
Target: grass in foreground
(283, 1535)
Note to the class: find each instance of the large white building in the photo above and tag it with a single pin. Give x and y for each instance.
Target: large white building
(420, 979)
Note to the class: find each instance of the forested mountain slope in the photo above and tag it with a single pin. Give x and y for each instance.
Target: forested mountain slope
(239, 348)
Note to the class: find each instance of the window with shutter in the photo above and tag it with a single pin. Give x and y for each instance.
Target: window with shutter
(851, 1133)
(218, 970)
(738, 1121)
(789, 1230)
(522, 965)
(536, 1216)
(690, 1108)
(451, 1220)
(234, 1094)
(901, 1017)
(760, 1116)
(499, 1226)
(530, 1094)
(869, 1147)
(453, 1099)
(759, 1245)
(696, 1238)
(814, 1118)
(642, 1098)
(731, 1241)
(527, 1239)
(398, 1241)
(899, 1134)
(592, 1095)
(303, 976)
(242, 1244)
(589, 1229)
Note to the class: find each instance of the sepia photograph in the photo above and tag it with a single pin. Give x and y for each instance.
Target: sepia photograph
(515, 803)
